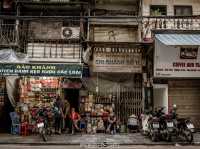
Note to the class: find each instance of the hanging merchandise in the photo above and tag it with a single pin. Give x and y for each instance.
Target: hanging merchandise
(37, 94)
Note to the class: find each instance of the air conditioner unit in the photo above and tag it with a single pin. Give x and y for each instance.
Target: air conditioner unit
(70, 32)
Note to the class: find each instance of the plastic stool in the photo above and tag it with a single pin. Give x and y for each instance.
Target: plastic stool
(24, 129)
(15, 126)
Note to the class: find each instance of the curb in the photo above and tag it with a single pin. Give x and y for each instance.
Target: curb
(78, 144)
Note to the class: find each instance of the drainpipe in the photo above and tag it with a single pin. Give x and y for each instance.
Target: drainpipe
(17, 28)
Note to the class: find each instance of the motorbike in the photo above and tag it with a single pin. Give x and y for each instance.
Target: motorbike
(166, 125)
(43, 117)
(144, 120)
(133, 124)
(41, 129)
(169, 128)
(154, 128)
(184, 127)
(161, 126)
(150, 125)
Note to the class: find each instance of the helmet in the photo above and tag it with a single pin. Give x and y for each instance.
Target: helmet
(174, 106)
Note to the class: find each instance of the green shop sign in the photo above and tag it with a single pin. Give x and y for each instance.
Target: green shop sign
(65, 70)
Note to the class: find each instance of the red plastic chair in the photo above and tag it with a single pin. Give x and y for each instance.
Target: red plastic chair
(24, 129)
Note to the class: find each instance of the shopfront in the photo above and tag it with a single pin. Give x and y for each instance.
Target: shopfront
(30, 86)
(117, 73)
(177, 65)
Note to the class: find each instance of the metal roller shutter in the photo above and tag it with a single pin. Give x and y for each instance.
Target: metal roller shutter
(186, 95)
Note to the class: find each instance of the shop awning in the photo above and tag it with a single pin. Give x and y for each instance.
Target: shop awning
(41, 69)
(179, 39)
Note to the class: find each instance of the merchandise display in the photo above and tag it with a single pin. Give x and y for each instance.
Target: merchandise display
(93, 108)
(36, 93)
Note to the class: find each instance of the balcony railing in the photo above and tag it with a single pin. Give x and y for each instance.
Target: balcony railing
(169, 23)
(48, 1)
(104, 12)
(53, 52)
(7, 34)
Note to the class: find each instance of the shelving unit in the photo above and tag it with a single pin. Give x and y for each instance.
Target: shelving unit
(94, 108)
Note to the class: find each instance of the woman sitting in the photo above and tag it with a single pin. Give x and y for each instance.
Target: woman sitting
(75, 118)
(112, 120)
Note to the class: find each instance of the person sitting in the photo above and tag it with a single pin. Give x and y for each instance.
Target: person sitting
(75, 118)
(105, 116)
(83, 125)
(112, 120)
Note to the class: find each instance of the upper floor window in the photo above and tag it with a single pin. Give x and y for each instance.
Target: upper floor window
(158, 10)
(182, 10)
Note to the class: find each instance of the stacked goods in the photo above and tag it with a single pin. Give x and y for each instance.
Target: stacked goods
(36, 93)
(94, 109)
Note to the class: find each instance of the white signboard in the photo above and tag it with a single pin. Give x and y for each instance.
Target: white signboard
(117, 62)
(176, 61)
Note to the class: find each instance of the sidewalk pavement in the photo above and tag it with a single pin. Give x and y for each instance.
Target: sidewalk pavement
(83, 139)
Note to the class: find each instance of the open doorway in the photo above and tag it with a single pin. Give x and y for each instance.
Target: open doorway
(72, 95)
(160, 96)
(5, 120)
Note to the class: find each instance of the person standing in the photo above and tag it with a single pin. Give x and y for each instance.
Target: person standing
(58, 107)
(66, 112)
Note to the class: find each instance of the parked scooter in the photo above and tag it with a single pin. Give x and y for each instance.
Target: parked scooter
(42, 117)
(133, 124)
(169, 128)
(166, 125)
(41, 129)
(145, 128)
(160, 125)
(184, 127)
(154, 128)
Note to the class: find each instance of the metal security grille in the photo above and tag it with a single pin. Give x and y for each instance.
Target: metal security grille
(129, 100)
(126, 94)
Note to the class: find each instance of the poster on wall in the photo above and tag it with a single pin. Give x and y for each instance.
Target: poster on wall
(176, 61)
(115, 34)
(117, 62)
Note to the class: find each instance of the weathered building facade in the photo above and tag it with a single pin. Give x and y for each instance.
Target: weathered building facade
(174, 26)
(117, 54)
(125, 44)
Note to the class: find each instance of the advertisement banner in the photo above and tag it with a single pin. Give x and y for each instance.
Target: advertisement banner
(176, 61)
(57, 70)
(118, 62)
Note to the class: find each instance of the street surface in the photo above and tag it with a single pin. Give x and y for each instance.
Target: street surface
(66, 139)
(78, 147)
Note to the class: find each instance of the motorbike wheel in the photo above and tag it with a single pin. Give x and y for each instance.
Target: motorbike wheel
(168, 137)
(44, 137)
(188, 136)
(154, 137)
